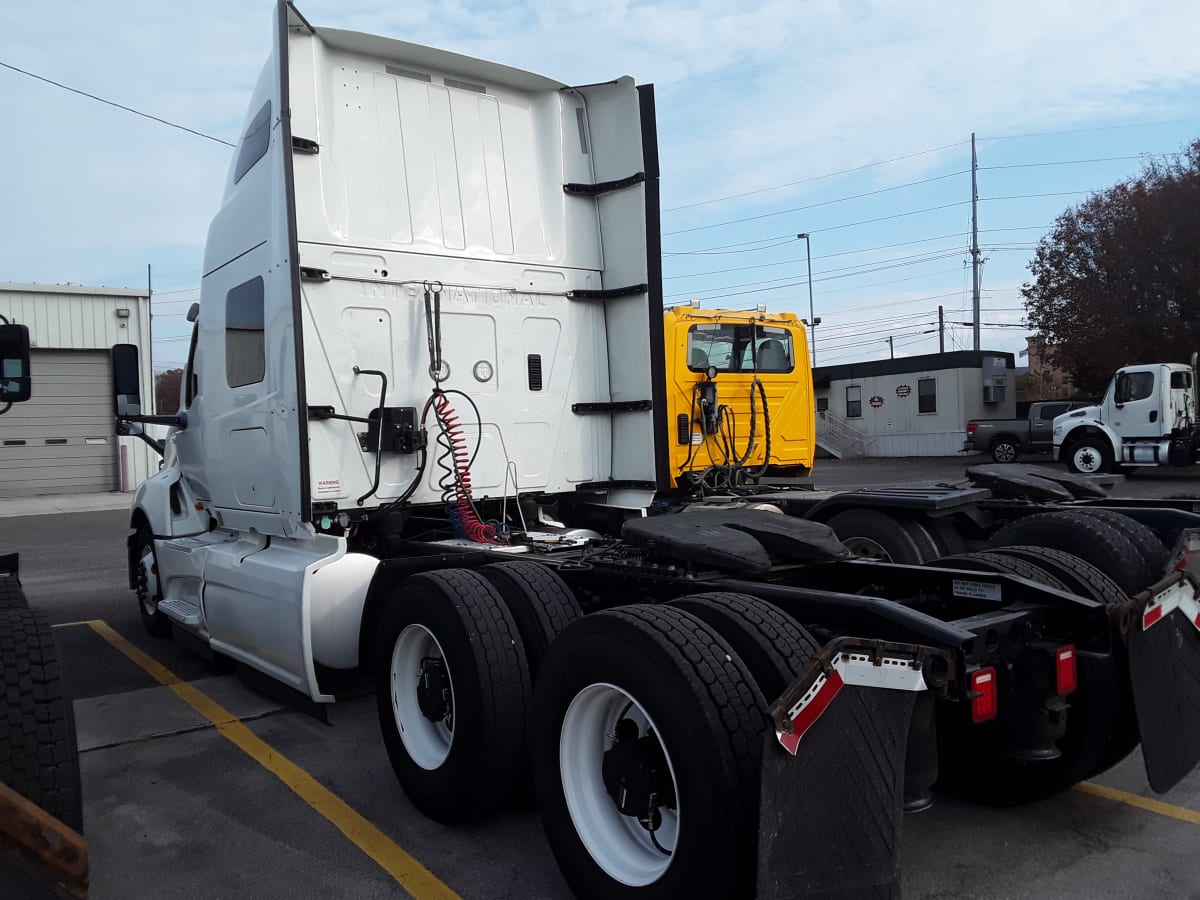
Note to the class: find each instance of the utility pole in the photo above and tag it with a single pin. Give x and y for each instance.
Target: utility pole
(813, 321)
(153, 404)
(941, 329)
(975, 241)
(891, 348)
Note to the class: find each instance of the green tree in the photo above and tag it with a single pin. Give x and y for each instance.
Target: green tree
(1117, 280)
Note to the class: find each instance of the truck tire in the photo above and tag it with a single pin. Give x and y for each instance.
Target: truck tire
(1154, 552)
(972, 769)
(39, 758)
(774, 646)
(453, 692)
(1098, 542)
(1004, 450)
(876, 535)
(540, 602)
(1089, 456)
(11, 595)
(148, 590)
(999, 563)
(698, 719)
(1086, 580)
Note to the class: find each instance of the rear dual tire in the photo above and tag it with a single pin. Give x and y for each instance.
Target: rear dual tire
(452, 691)
(906, 540)
(683, 684)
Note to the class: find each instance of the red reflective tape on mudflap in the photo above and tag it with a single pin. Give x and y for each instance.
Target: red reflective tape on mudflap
(811, 708)
(1181, 595)
(1151, 616)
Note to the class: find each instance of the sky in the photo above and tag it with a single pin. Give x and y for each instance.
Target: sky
(849, 120)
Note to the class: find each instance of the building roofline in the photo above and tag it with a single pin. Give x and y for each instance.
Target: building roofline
(929, 362)
(10, 287)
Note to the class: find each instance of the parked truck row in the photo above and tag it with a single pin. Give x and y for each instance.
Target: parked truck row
(437, 430)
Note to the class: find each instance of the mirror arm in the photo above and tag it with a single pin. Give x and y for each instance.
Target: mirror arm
(179, 420)
(157, 444)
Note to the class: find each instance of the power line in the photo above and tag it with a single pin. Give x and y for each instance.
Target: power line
(130, 109)
(1076, 162)
(784, 212)
(709, 295)
(1029, 196)
(1010, 137)
(788, 262)
(790, 238)
(776, 187)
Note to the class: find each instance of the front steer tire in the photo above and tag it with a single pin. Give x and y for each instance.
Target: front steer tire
(464, 765)
(148, 587)
(668, 669)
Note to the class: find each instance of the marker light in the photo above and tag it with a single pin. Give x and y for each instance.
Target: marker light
(1066, 677)
(983, 695)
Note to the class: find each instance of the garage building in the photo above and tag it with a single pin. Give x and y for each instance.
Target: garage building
(63, 440)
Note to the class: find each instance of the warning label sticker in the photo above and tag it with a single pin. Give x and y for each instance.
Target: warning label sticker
(976, 590)
(328, 487)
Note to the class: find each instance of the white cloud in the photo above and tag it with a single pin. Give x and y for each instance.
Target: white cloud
(750, 94)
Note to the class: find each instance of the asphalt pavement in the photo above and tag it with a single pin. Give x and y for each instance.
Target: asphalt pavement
(177, 806)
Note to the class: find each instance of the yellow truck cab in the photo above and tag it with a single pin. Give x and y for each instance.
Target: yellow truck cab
(739, 395)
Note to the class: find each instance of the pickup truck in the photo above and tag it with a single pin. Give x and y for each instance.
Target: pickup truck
(1005, 439)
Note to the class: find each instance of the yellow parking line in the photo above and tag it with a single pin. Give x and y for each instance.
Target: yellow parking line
(407, 871)
(1154, 806)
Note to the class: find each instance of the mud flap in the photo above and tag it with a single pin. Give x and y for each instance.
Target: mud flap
(1164, 668)
(830, 808)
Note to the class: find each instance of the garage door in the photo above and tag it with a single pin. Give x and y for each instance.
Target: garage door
(61, 441)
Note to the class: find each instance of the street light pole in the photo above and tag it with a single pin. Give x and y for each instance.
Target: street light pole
(812, 320)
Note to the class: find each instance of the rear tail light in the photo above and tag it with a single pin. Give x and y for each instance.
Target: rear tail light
(983, 695)
(1066, 677)
(971, 427)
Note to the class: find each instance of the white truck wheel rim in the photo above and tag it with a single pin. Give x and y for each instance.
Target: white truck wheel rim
(617, 843)
(428, 743)
(148, 599)
(865, 548)
(1087, 459)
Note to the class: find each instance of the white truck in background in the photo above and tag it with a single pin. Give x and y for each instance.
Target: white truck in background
(1147, 417)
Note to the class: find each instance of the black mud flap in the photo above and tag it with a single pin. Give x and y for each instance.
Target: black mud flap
(830, 810)
(1164, 667)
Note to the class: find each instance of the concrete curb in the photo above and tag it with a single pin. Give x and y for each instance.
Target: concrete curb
(49, 504)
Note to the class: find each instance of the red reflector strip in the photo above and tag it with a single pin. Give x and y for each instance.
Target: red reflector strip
(983, 703)
(1152, 615)
(811, 711)
(1065, 670)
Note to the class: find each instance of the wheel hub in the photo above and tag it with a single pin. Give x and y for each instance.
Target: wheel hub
(143, 590)
(434, 696)
(636, 775)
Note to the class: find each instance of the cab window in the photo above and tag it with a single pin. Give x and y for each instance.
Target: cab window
(739, 348)
(1133, 386)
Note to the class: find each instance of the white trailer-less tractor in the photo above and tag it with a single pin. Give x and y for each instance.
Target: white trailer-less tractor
(423, 436)
(1148, 417)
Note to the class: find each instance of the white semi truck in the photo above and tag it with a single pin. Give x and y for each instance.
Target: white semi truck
(1148, 417)
(422, 436)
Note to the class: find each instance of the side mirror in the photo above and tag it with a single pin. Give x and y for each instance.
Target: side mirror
(15, 383)
(127, 398)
